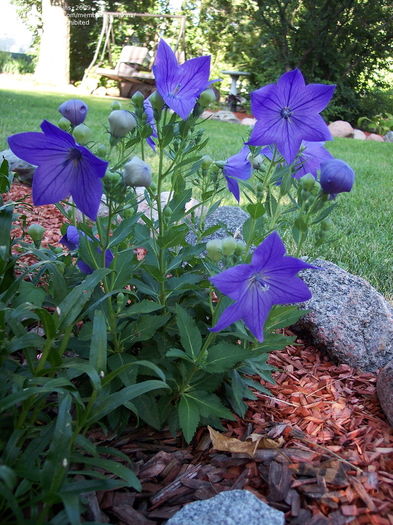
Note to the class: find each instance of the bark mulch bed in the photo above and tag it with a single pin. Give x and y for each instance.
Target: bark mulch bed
(320, 449)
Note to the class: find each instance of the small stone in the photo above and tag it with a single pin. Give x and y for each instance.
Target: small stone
(248, 121)
(225, 116)
(231, 507)
(388, 137)
(359, 135)
(230, 217)
(375, 137)
(347, 318)
(24, 170)
(385, 390)
(341, 128)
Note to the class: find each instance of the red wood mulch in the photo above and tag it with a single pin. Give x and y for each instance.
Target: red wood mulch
(334, 464)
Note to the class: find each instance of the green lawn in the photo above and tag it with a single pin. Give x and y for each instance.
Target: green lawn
(363, 219)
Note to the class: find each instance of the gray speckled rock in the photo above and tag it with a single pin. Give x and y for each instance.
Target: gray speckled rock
(385, 390)
(19, 166)
(348, 318)
(232, 507)
(388, 137)
(232, 220)
(225, 116)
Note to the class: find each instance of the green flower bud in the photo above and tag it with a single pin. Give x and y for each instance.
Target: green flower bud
(206, 162)
(82, 134)
(137, 173)
(36, 232)
(256, 162)
(156, 101)
(220, 163)
(316, 188)
(207, 97)
(121, 300)
(137, 98)
(101, 151)
(214, 249)
(300, 223)
(240, 247)
(307, 182)
(112, 178)
(229, 245)
(167, 212)
(121, 122)
(64, 124)
(304, 195)
(115, 105)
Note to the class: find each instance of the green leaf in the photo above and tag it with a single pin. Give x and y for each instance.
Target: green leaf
(224, 356)
(8, 476)
(146, 326)
(29, 293)
(106, 404)
(209, 404)
(143, 307)
(71, 503)
(123, 230)
(73, 303)
(175, 352)
(98, 346)
(283, 316)
(114, 467)
(256, 210)
(4, 177)
(174, 236)
(188, 413)
(190, 335)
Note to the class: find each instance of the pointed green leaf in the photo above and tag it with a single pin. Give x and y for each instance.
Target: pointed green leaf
(188, 413)
(189, 333)
(98, 346)
(224, 356)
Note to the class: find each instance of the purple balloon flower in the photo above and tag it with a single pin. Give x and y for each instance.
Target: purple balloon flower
(336, 177)
(237, 167)
(270, 279)
(310, 158)
(180, 85)
(287, 112)
(152, 123)
(71, 241)
(74, 110)
(64, 168)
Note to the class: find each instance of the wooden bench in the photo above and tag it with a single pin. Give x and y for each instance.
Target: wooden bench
(132, 71)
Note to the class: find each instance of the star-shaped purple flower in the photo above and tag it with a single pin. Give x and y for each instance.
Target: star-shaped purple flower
(180, 85)
(287, 112)
(270, 279)
(71, 241)
(237, 167)
(64, 168)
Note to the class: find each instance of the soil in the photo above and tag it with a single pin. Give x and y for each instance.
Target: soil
(325, 453)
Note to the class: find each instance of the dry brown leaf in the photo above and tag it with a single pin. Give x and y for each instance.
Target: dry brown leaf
(234, 445)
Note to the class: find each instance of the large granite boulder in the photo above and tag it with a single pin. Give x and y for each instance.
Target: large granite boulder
(347, 318)
(359, 134)
(225, 116)
(341, 128)
(388, 137)
(385, 390)
(375, 137)
(231, 507)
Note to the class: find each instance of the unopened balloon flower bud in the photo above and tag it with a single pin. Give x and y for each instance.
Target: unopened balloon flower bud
(112, 178)
(307, 182)
(121, 300)
(240, 247)
(137, 98)
(101, 151)
(82, 134)
(336, 176)
(207, 97)
(256, 161)
(137, 173)
(206, 162)
(228, 246)
(156, 101)
(214, 249)
(167, 212)
(121, 122)
(115, 105)
(36, 232)
(74, 110)
(64, 124)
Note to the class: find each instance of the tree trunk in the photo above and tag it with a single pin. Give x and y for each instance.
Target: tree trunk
(53, 65)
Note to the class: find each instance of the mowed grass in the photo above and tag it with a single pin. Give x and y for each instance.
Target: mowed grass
(363, 219)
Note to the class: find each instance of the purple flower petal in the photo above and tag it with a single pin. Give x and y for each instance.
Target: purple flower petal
(237, 167)
(71, 238)
(314, 98)
(290, 86)
(271, 249)
(230, 282)
(180, 85)
(310, 159)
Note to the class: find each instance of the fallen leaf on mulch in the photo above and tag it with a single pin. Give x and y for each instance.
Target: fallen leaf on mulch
(250, 446)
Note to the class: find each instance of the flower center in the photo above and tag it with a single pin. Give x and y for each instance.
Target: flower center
(286, 113)
(74, 155)
(260, 280)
